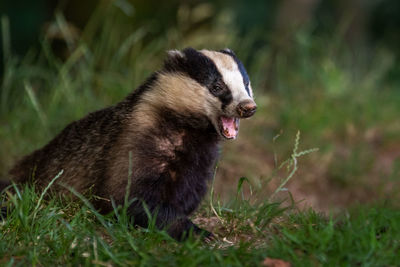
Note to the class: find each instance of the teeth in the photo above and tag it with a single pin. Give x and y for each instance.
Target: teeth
(230, 126)
(226, 131)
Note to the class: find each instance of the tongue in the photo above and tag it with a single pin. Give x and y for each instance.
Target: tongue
(229, 127)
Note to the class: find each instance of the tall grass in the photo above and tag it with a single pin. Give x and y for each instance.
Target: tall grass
(55, 231)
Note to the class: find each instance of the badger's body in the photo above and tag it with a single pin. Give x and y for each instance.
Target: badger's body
(168, 131)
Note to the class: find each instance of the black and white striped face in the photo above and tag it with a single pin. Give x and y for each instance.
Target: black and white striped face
(224, 93)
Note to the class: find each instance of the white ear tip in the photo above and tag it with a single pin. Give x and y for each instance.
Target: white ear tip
(175, 53)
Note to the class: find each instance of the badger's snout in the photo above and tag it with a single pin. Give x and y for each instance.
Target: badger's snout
(246, 108)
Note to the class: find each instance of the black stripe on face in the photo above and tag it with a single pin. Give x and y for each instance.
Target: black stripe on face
(203, 70)
(246, 80)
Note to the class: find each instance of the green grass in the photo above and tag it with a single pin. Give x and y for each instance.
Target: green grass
(62, 232)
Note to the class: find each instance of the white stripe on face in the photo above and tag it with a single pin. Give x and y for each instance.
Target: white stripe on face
(231, 75)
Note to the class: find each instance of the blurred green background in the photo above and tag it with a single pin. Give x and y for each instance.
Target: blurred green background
(329, 69)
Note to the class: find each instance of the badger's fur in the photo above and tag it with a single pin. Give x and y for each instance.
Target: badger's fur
(171, 126)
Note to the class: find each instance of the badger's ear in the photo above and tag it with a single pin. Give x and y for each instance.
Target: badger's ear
(227, 51)
(174, 61)
(175, 54)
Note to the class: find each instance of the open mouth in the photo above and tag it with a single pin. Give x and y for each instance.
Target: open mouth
(229, 127)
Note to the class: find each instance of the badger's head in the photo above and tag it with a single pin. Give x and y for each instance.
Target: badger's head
(219, 86)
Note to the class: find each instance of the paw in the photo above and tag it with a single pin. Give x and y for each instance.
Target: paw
(209, 238)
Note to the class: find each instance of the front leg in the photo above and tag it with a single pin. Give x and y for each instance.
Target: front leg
(181, 228)
(178, 226)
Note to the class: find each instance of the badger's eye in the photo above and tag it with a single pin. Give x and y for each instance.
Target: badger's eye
(216, 89)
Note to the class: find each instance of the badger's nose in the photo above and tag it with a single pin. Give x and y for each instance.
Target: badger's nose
(246, 108)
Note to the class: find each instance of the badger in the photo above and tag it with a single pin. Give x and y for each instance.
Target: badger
(164, 137)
